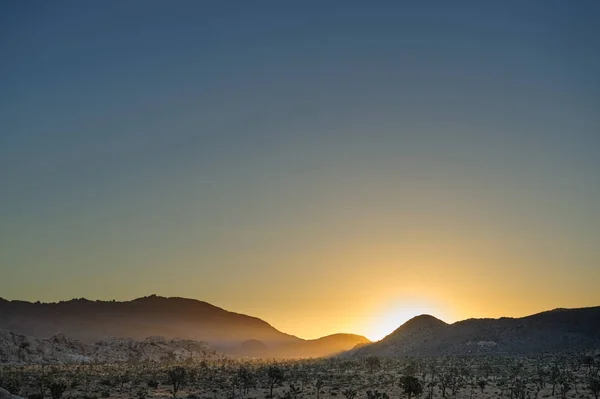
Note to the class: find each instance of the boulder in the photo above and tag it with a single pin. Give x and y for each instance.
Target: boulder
(4, 394)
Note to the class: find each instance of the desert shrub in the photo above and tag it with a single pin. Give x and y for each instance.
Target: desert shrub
(141, 393)
(57, 388)
(176, 377)
(411, 386)
(349, 393)
(373, 363)
(152, 383)
(107, 382)
(376, 395)
(12, 384)
(122, 379)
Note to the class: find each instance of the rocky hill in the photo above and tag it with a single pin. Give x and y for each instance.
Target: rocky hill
(21, 349)
(173, 318)
(553, 331)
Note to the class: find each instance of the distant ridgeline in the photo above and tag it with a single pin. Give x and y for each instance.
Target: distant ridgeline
(184, 320)
(559, 330)
(173, 318)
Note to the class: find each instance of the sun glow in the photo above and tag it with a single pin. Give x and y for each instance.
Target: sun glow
(398, 312)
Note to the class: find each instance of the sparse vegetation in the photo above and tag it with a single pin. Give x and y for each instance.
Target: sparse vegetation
(490, 377)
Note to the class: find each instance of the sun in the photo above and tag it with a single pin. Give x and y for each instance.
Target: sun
(393, 315)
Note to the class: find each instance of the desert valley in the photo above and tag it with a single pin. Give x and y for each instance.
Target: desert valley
(156, 347)
(310, 199)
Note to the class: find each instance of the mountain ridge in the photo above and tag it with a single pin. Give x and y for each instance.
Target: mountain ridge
(549, 331)
(170, 317)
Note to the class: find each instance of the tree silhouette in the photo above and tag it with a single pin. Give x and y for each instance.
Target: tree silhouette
(293, 392)
(594, 385)
(588, 361)
(275, 377)
(176, 377)
(57, 388)
(351, 393)
(554, 377)
(411, 385)
(245, 379)
(376, 395)
(319, 385)
(482, 384)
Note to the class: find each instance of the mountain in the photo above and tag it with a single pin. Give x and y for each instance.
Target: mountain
(172, 318)
(90, 321)
(553, 331)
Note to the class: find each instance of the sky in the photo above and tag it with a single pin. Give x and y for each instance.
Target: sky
(329, 167)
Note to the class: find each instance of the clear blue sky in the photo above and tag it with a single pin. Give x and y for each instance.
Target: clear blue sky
(265, 156)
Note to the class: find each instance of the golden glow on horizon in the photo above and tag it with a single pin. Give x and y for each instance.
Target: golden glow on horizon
(382, 284)
(399, 312)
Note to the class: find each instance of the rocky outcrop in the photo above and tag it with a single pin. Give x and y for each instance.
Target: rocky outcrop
(20, 349)
(4, 394)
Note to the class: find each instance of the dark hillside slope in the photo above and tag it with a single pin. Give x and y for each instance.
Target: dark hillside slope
(553, 331)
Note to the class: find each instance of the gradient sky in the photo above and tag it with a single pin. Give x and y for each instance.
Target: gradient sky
(329, 167)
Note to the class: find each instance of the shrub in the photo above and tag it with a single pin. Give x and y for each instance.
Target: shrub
(57, 388)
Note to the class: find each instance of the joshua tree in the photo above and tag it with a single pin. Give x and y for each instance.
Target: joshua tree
(245, 379)
(588, 361)
(376, 395)
(57, 388)
(485, 370)
(431, 386)
(293, 392)
(176, 377)
(518, 389)
(141, 393)
(351, 393)
(319, 385)
(122, 379)
(275, 377)
(445, 381)
(411, 368)
(411, 385)
(482, 384)
(433, 370)
(452, 379)
(554, 377)
(542, 376)
(565, 387)
(594, 385)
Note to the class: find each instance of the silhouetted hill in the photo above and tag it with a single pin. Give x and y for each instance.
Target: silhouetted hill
(552, 331)
(91, 321)
(419, 324)
(172, 318)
